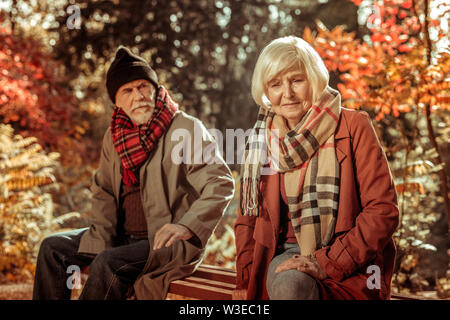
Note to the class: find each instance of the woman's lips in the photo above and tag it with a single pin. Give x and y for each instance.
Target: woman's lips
(289, 105)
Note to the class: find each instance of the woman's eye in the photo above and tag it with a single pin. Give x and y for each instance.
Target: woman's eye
(274, 85)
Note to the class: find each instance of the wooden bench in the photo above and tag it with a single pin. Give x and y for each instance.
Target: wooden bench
(206, 283)
(217, 283)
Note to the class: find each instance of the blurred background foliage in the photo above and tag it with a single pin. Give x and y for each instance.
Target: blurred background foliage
(389, 58)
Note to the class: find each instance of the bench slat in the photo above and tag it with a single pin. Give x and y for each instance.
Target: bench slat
(199, 291)
(213, 283)
(402, 296)
(222, 275)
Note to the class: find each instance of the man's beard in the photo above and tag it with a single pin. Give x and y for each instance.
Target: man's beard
(143, 116)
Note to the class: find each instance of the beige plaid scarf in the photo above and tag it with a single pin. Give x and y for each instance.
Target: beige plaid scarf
(307, 157)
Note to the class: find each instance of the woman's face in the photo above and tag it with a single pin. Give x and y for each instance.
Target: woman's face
(287, 93)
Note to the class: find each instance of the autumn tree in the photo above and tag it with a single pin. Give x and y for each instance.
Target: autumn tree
(25, 204)
(398, 71)
(35, 99)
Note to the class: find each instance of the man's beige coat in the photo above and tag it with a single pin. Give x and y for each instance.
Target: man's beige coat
(177, 186)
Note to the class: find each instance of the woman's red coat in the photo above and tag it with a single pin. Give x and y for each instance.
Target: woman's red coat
(367, 218)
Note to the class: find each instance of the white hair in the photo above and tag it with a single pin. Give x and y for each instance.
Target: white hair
(285, 53)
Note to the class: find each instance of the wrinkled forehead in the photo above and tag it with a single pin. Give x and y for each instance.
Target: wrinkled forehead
(288, 73)
(134, 83)
(283, 67)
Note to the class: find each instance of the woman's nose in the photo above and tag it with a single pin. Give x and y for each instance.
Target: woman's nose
(287, 90)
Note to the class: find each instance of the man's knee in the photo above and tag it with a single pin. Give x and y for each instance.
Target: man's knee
(65, 242)
(293, 285)
(101, 263)
(53, 243)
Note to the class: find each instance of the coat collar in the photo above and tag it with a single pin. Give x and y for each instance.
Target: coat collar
(342, 129)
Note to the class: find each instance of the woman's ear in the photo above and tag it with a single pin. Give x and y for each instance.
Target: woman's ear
(266, 102)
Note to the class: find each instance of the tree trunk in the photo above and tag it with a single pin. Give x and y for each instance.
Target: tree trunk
(431, 134)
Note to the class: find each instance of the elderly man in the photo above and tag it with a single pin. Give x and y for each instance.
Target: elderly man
(152, 214)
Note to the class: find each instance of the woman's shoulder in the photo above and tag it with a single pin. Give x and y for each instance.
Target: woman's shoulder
(353, 114)
(355, 119)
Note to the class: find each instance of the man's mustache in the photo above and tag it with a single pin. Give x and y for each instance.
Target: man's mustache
(142, 104)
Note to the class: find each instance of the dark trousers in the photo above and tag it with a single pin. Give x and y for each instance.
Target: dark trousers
(111, 273)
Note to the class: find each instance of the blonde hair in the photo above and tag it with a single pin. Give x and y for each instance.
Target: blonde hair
(285, 53)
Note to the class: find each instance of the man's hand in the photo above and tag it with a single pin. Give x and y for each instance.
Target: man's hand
(306, 264)
(169, 233)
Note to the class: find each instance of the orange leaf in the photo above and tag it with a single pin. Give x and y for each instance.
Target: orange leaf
(407, 4)
(307, 35)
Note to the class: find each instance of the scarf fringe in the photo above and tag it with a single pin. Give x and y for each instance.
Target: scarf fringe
(249, 202)
(129, 178)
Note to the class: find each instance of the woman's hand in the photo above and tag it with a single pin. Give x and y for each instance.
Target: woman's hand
(306, 264)
(239, 294)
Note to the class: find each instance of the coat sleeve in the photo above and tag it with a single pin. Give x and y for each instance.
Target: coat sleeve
(376, 223)
(102, 229)
(245, 244)
(212, 181)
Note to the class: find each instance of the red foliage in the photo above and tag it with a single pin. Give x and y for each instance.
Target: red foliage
(34, 97)
(390, 73)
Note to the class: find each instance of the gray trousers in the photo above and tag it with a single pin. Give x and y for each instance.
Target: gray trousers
(290, 284)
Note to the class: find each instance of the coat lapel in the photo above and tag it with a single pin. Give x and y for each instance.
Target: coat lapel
(340, 135)
(271, 199)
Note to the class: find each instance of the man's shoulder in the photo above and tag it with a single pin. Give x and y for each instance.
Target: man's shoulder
(107, 139)
(183, 120)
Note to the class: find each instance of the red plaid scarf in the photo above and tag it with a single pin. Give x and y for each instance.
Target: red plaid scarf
(134, 143)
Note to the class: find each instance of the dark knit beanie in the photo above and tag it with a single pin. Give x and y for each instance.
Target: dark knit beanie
(125, 68)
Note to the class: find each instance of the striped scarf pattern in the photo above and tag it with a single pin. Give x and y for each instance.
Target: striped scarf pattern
(134, 143)
(307, 157)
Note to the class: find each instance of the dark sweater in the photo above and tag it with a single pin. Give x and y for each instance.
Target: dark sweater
(286, 230)
(133, 211)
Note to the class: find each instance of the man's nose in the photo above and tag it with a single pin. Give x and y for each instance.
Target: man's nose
(137, 94)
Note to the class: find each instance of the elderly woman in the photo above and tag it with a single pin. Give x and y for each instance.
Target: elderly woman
(318, 205)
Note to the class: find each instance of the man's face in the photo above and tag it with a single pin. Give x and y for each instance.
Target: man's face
(137, 100)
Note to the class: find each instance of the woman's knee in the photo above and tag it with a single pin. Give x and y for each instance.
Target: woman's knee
(293, 285)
